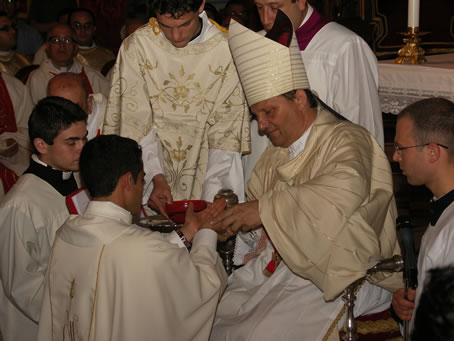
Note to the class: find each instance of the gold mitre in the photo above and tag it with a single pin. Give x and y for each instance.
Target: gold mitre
(269, 65)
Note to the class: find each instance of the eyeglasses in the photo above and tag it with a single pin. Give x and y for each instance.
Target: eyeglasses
(60, 40)
(77, 25)
(399, 149)
(7, 28)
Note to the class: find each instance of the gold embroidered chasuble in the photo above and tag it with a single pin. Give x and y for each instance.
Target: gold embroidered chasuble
(13, 62)
(191, 95)
(96, 57)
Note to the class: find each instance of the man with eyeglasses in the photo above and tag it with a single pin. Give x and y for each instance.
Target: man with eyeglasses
(61, 48)
(10, 60)
(424, 149)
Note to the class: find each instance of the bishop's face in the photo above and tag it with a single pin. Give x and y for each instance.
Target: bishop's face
(294, 9)
(280, 119)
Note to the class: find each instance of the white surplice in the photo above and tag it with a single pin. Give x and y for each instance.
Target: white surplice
(30, 215)
(95, 120)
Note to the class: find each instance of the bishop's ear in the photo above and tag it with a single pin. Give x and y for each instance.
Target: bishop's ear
(301, 98)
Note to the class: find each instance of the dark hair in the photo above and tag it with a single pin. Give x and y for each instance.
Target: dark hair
(310, 97)
(84, 10)
(3, 14)
(175, 8)
(105, 159)
(434, 318)
(51, 116)
(433, 121)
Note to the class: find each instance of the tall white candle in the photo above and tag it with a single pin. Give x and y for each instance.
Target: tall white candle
(413, 13)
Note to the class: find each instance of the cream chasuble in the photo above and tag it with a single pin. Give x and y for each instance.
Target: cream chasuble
(95, 56)
(110, 280)
(190, 96)
(11, 62)
(330, 214)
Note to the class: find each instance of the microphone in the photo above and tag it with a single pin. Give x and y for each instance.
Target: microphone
(407, 245)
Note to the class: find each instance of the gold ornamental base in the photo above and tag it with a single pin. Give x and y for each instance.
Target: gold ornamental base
(411, 53)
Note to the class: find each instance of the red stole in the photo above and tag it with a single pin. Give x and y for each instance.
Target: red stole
(8, 178)
(7, 117)
(89, 88)
(310, 28)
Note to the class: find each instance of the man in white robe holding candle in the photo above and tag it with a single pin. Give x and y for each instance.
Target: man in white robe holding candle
(324, 195)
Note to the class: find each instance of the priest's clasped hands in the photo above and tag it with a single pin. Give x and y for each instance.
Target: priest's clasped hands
(241, 217)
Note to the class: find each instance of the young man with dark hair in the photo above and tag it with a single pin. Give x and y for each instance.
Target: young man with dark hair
(176, 91)
(34, 209)
(112, 280)
(424, 149)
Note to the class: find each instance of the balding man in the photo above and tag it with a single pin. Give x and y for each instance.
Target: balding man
(61, 48)
(73, 87)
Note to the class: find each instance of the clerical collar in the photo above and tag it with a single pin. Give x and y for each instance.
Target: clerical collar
(93, 44)
(63, 182)
(437, 206)
(298, 146)
(62, 68)
(312, 23)
(205, 24)
(5, 53)
(310, 9)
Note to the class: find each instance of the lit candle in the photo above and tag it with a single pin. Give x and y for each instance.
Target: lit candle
(413, 13)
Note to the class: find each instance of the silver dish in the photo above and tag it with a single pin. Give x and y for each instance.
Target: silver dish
(158, 223)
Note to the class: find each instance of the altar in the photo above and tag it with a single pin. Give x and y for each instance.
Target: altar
(404, 84)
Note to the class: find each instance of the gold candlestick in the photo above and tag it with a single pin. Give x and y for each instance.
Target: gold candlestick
(412, 52)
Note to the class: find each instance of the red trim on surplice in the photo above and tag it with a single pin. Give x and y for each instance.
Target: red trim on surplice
(89, 88)
(7, 117)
